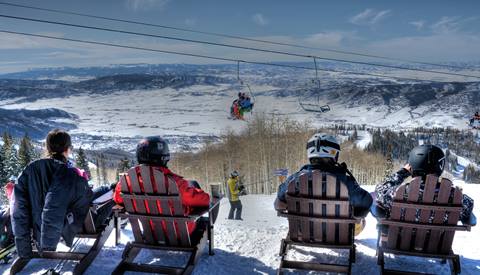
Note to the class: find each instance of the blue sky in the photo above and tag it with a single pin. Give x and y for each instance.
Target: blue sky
(432, 31)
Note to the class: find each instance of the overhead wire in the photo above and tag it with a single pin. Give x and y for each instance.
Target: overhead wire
(238, 37)
(208, 56)
(231, 45)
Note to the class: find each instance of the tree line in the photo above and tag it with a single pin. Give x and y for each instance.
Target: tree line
(268, 143)
(397, 145)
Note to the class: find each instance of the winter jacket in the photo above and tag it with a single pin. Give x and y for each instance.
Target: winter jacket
(233, 189)
(360, 199)
(386, 191)
(192, 198)
(246, 104)
(50, 200)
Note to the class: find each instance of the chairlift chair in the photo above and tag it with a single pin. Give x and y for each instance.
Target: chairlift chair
(314, 107)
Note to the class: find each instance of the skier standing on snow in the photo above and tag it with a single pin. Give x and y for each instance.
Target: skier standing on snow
(233, 189)
(422, 161)
(323, 151)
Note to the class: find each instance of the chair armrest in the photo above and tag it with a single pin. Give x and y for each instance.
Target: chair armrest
(472, 221)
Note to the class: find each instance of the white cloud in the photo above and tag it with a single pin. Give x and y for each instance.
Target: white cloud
(330, 38)
(144, 5)
(260, 19)
(369, 17)
(418, 24)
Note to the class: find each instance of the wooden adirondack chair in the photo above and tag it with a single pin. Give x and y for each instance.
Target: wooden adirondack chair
(155, 212)
(429, 233)
(84, 259)
(319, 216)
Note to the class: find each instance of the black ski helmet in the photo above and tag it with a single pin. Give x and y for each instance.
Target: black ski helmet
(153, 151)
(426, 159)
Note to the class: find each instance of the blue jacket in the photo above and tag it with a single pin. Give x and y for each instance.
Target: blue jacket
(50, 200)
(360, 199)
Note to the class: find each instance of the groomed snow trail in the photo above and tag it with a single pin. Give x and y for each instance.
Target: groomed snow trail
(251, 246)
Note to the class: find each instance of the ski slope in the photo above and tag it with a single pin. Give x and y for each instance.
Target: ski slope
(251, 246)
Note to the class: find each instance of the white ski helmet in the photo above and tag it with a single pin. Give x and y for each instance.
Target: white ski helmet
(323, 146)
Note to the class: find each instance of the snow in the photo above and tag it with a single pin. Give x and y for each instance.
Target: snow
(364, 138)
(251, 246)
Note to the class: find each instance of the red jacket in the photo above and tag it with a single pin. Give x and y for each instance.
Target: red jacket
(192, 197)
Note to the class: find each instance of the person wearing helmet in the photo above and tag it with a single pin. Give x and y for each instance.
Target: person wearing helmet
(233, 189)
(323, 151)
(422, 161)
(154, 151)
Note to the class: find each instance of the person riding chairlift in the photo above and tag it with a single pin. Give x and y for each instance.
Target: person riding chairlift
(240, 106)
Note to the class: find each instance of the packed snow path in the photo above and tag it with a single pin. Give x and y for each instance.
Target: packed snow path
(251, 246)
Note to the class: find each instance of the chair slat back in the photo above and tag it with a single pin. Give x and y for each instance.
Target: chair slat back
(320, 195)
(88, 224)
(152, 196)
(424, 203)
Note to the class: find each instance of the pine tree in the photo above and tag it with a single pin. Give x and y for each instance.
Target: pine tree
(26, 152)
(10, 159)
(389, 164)
(82, 162)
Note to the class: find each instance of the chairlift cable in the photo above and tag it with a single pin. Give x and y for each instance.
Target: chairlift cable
(92, 42)
(188, 40)
(230, 36)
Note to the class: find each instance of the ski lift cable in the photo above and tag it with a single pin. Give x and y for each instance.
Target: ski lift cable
(238, 37)
(92, 42)
(188, 40)
(243, 83)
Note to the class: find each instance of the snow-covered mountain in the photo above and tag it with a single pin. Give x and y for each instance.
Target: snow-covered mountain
(190, 103)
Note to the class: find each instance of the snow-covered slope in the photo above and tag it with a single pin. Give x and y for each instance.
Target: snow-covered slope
(185, 101)
(251, 246)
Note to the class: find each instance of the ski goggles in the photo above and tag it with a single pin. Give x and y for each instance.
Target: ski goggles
(322, 143)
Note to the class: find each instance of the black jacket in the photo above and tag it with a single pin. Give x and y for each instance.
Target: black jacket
(360, 199)
(386, 191)
(50, 200)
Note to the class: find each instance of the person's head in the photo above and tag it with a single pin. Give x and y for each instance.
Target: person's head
(426, 159)
(322, 148)
(234, 174)
(58, 145)
(153, 151)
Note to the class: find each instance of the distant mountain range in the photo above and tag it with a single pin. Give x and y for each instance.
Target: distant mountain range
(128, 101)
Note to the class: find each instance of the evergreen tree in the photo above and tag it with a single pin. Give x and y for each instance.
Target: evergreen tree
(9, 157)
(12, 164)
(82, 162)
(389, 168)
(26, 152)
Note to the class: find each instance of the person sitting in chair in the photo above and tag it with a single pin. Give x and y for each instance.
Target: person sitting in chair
(154, 151)
(423, 160)
(323, 151)
(50, 199)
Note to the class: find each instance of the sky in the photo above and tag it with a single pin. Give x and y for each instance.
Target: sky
(429, 30)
